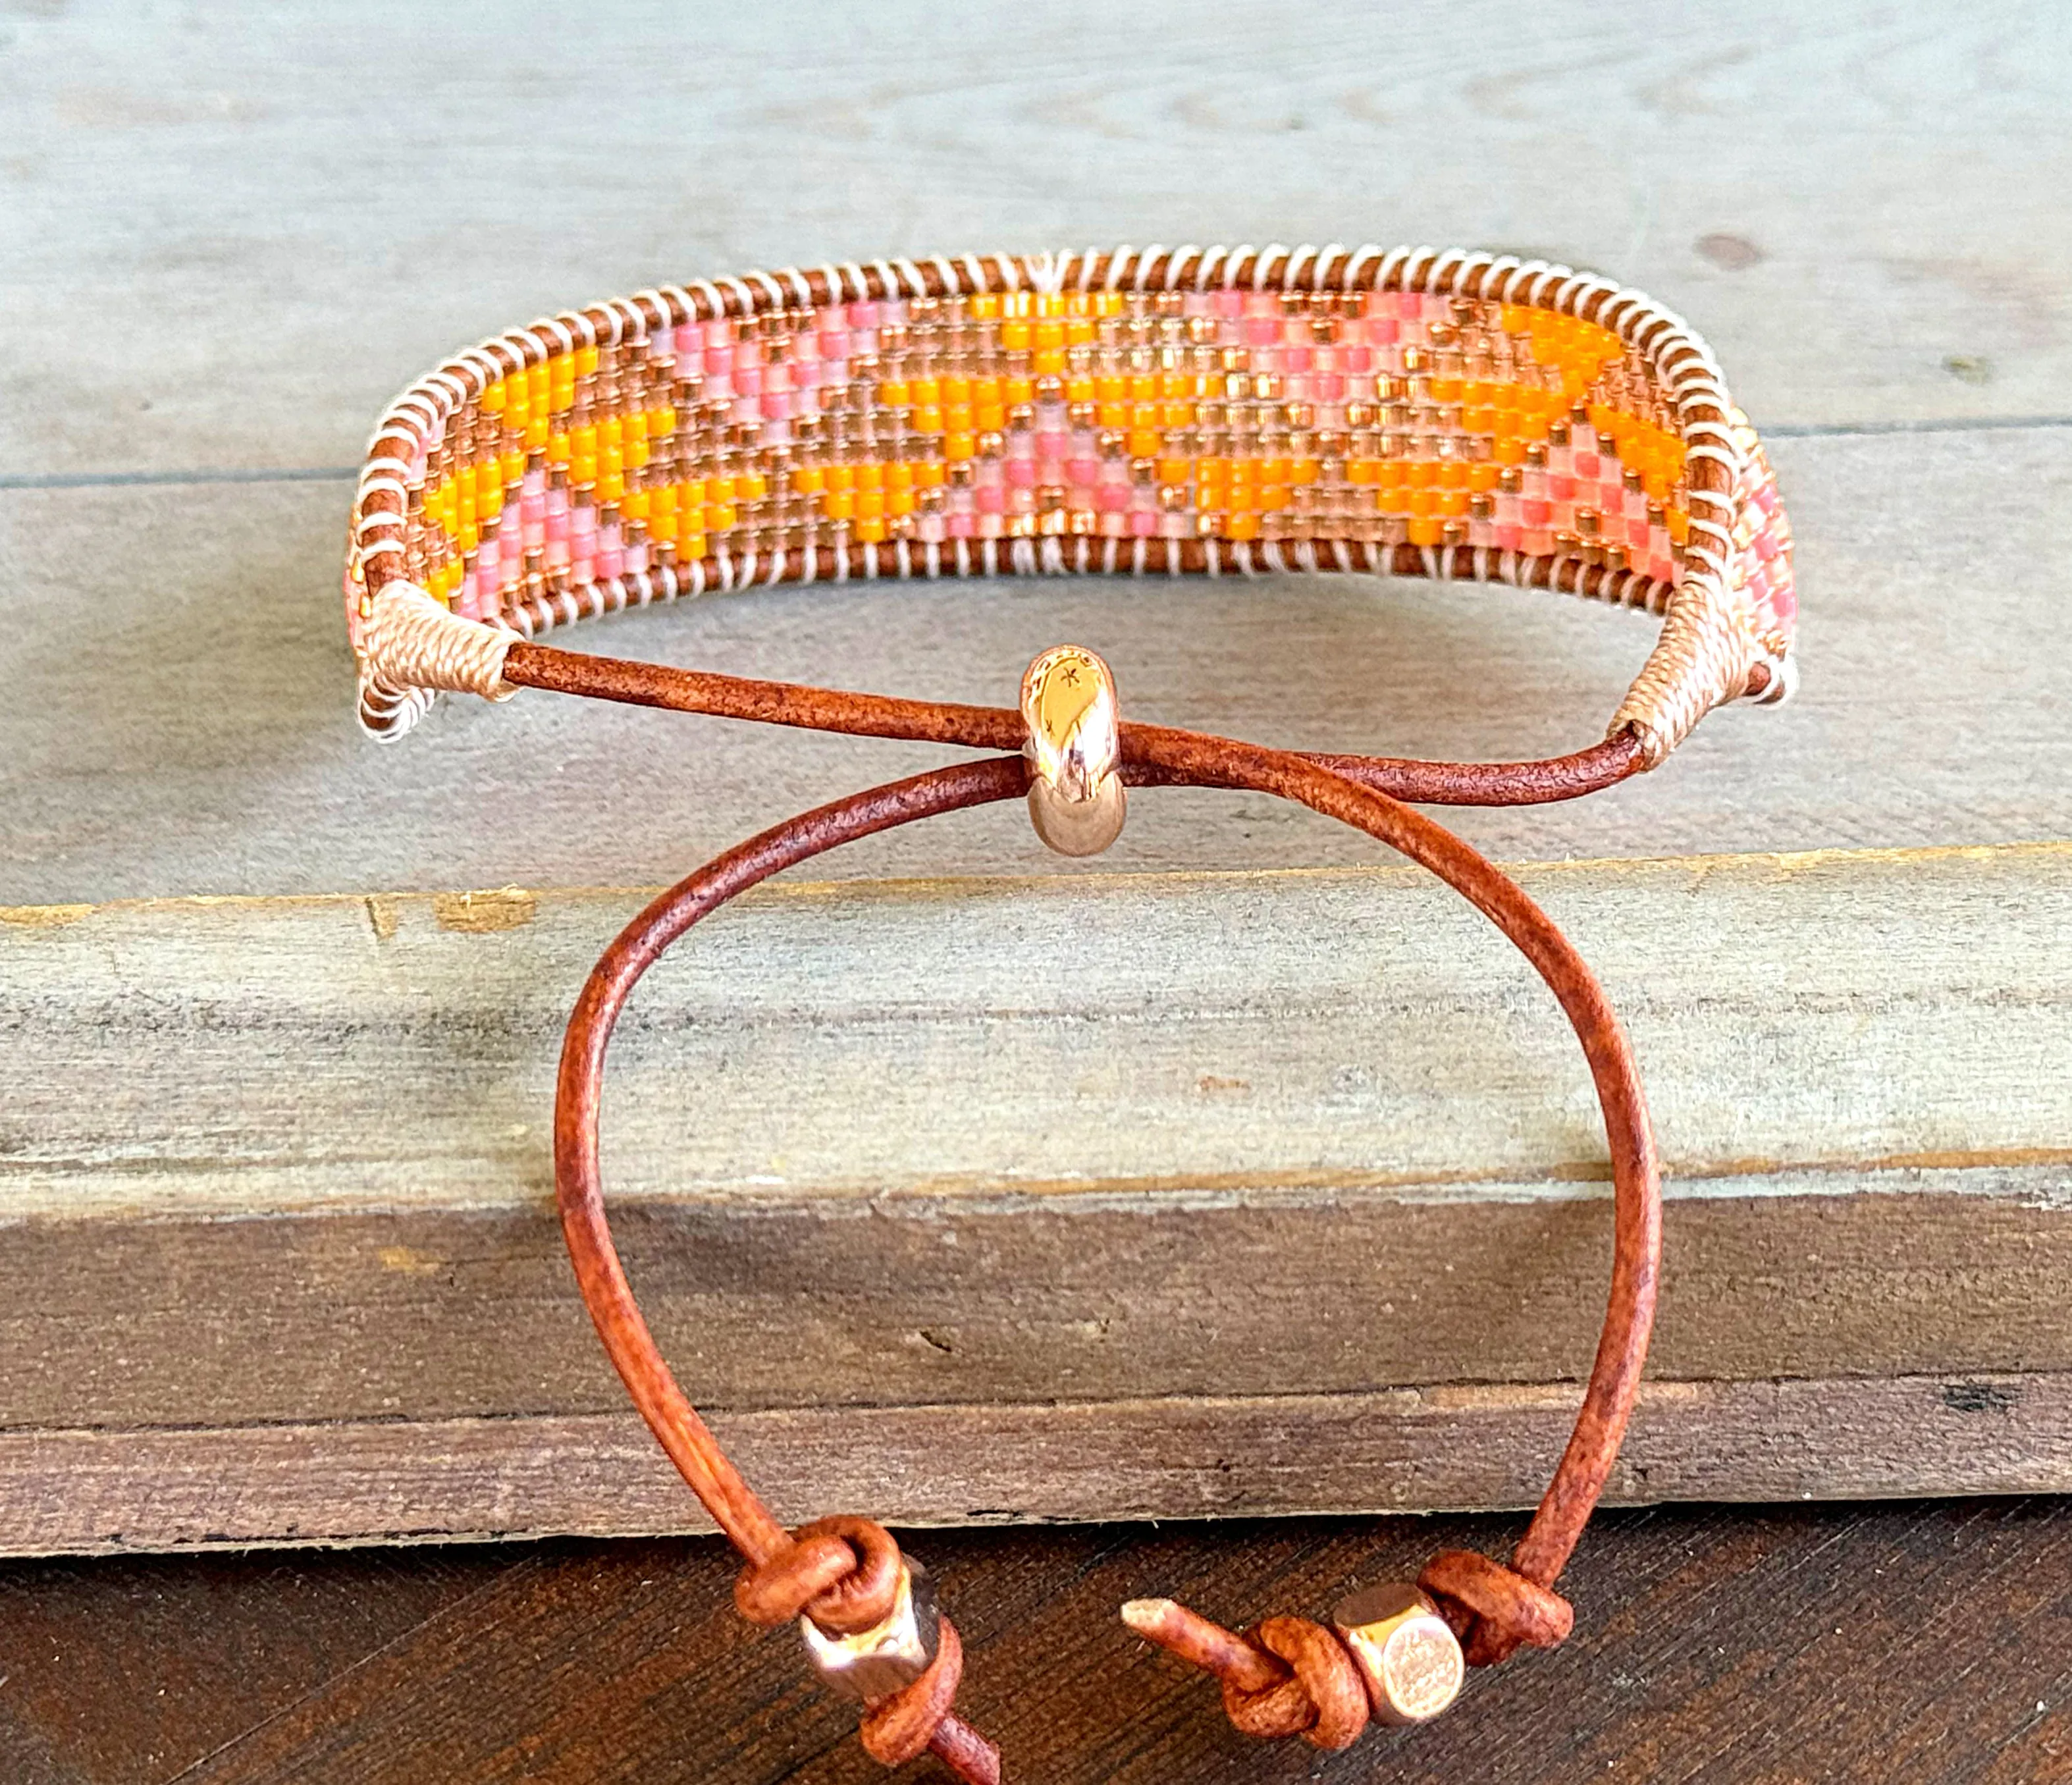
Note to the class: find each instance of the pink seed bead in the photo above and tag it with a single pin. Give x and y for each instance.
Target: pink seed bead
(1144, 523)
(962, 526)
(1084, 471)
(990, 499)
(1112, 497)
(1022, 473)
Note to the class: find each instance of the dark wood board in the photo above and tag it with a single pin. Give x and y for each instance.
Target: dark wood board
(1927, 1644)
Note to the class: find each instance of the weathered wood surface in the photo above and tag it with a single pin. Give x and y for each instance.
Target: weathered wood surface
(352, 1482)
(1860, 1645)
(231, 240)
(187, 725)
(1864, 219)
(1105, 1164)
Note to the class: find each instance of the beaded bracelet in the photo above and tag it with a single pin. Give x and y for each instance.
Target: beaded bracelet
(866, 1614)
(1212, 412)
(1408, 412)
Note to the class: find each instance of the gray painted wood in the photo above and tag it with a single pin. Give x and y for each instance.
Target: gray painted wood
(232, 237)
(1356, 1029)
(1048, 1147)
(188, 730)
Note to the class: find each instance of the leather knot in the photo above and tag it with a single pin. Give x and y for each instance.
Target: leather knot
(1322, 1699)
(843, 1573)
(899, 1729)
(1495, 1611)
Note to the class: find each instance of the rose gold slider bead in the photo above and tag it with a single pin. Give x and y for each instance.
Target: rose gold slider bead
(1076, 800)
(1408, 1654)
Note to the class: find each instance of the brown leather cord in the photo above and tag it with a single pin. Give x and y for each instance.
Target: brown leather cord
(1000, 728)
(1288, 1676)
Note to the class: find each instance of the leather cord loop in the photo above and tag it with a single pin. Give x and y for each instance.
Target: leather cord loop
(1292, 1674)
(1495, 1611)
(1321, 1700)
(1622, 754)
(843, 1573)
(899, 1729)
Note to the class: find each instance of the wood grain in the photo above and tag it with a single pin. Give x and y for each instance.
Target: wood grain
(1136, 1158)
(1468, 1446)
(1862, 216)
(1851, 1647)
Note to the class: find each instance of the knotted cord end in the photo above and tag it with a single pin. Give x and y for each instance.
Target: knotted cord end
(412, 647)
(845, 1575)
(1495, 1611)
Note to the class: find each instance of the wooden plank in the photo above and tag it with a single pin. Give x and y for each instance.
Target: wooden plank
(1132, 1139)
(1798, 1017)
(119, 1677)
(1864, 218)
(190, 729)
(1447, 1448)
(1780, 1645)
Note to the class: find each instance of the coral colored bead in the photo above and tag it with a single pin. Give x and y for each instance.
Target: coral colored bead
(1144, 523)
